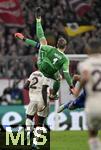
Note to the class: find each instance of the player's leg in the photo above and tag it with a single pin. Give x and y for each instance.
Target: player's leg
(42, 115)
(94, 124)
(33, 107)
(79, 102)
(29, 120)
(31, 110)
(64, 106)
(39, 29)
(30, 113)
(41, 118)
(94, 141)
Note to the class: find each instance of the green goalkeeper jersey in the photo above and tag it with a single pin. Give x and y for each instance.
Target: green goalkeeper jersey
(54, 58)
(51, 60)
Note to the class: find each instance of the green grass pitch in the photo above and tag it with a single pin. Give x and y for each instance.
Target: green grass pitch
(69, 140)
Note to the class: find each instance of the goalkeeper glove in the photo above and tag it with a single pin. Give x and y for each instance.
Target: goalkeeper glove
(38, 13)
(20, 36)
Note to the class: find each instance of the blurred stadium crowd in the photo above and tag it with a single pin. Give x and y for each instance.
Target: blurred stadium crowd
(18, 58)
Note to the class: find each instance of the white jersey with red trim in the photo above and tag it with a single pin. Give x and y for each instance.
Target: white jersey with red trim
(90, 69)
(37, 104)
(37, 80)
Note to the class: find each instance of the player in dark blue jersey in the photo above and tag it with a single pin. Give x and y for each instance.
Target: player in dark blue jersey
(79, 102)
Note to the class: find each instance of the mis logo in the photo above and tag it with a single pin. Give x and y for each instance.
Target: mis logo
(20, 134)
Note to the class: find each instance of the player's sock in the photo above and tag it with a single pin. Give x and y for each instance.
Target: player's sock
(94, 144)
(40, 121)
(39, 29)
(62, 107)
(35, 147)
(35, 140)
(29, 122)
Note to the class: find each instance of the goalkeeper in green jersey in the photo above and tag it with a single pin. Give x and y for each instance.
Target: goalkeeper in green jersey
(50, 59)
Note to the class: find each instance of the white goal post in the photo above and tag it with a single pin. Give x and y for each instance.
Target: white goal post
(77, 57)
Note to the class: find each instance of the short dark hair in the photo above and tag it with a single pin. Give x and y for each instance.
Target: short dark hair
(61, 43)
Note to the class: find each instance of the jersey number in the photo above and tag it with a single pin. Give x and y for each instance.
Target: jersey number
(98, 81)
(35, 81)
(55, 60)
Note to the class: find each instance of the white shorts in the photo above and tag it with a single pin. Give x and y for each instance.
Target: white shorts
(44, 113)
(93, 114)
(36, 105)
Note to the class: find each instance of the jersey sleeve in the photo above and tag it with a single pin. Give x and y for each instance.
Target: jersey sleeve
(46, 48)
(32, 43)
(66, 66)
(66, 72)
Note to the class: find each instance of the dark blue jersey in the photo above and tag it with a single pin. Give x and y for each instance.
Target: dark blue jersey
(80, 101)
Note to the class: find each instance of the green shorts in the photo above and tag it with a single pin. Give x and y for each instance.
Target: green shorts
(47, 70)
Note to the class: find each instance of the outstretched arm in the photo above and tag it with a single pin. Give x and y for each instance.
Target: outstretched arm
(40, 32)
(68, 77)
(28, 41)
(39, 28)
(66, 73)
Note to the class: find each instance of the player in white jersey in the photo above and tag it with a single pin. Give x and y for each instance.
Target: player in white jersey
(37, 85)
(90, 71)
